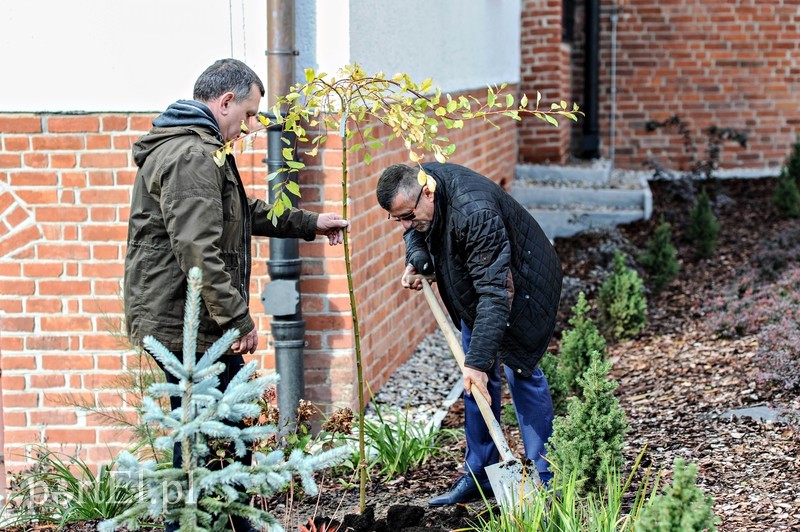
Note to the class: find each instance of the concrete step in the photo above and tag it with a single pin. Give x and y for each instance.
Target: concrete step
(566, 200)
(532, 195)
(562, 223)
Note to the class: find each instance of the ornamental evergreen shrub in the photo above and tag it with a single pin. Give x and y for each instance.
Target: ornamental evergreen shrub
(588, 442)
(681, 508)
(703, 227)
(559, 388)
(579, 344)
(621, 301)
(659, 260)
(194, 496)
(793, 162)
(786, 197)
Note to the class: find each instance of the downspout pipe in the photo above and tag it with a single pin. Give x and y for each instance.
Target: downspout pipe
(590, 144)
(281, 296)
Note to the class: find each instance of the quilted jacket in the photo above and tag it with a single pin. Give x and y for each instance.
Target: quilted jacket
(495, 268)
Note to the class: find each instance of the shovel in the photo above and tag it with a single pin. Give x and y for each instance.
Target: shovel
(511, 481)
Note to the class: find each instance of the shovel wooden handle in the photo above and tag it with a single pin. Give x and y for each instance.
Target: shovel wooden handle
(458, 352)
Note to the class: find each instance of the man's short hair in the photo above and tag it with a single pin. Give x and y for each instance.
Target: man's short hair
(226, 75)
(395, 179)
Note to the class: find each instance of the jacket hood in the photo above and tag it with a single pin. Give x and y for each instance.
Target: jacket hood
(184, 117)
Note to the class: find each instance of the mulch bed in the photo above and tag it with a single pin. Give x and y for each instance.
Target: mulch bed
(677, 378)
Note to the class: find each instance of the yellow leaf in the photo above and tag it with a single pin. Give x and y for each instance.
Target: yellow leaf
(563, 104)
(431, 183)
(287, 153)
(413, 156)
(309, 74)
(440, 157)
(422, 178)
(219, 157)
(263, 119)
(244, 127)
(523, 102)
(313, 153)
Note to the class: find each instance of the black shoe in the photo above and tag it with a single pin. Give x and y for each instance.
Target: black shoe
(464, 490)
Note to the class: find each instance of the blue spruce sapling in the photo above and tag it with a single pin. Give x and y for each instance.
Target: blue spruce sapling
(196, 497)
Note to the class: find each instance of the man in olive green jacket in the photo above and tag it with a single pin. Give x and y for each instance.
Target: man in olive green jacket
(188, 211)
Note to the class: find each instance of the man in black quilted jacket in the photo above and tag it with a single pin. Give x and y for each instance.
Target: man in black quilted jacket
(500, 279)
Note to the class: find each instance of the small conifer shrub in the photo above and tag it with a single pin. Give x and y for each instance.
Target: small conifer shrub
(793, 162)
(681, 508)
(621, 301)
(786, 197)
(703, 227)
(659, 260)
(559, 388)
(579, 344)
(196, 496)
(588, 442)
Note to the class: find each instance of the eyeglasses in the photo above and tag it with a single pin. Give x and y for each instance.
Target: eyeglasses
(411, 215)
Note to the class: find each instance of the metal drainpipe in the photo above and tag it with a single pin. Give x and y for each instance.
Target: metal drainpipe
(281, 296)
(590, 145)
(613, 115)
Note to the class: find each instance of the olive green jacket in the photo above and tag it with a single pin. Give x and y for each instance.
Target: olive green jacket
(187, 211)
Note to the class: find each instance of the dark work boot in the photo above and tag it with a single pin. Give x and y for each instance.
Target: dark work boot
(464, 490)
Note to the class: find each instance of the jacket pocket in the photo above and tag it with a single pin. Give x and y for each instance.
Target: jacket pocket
(234, 268)
(231, 201)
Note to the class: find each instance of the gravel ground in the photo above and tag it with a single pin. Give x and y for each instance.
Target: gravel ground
(425, 382)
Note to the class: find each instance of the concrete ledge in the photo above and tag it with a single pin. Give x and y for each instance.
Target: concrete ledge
(565, 223)
(532, 196)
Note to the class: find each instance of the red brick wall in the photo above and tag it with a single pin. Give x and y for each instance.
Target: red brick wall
(65, 185)
(734, 64)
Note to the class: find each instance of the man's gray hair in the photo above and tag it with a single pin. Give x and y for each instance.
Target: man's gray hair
(226, 75)
(395, 179)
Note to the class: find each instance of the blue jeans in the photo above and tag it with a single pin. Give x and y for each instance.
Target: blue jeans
(534, 408)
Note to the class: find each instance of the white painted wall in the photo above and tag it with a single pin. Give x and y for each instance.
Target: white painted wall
(115, 55)
(460, 44)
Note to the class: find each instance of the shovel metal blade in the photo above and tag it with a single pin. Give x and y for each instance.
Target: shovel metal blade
(512, 482)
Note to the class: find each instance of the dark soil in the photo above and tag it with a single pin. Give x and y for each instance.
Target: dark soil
(676, 379)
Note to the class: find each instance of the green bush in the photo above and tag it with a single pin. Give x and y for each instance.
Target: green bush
(621, 301)
(786, 197)
(508, 416)
(682, 508)
(399, 443)
(703, 227)
(793, 162)
(561, 508)
(559, 388)
(579, 344)
(659, 260)
(587, 443)
(61, 489)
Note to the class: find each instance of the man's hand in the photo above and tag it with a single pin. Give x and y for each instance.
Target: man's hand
(416, 284)
(478, 378)
(332, 225)
(246, 344)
